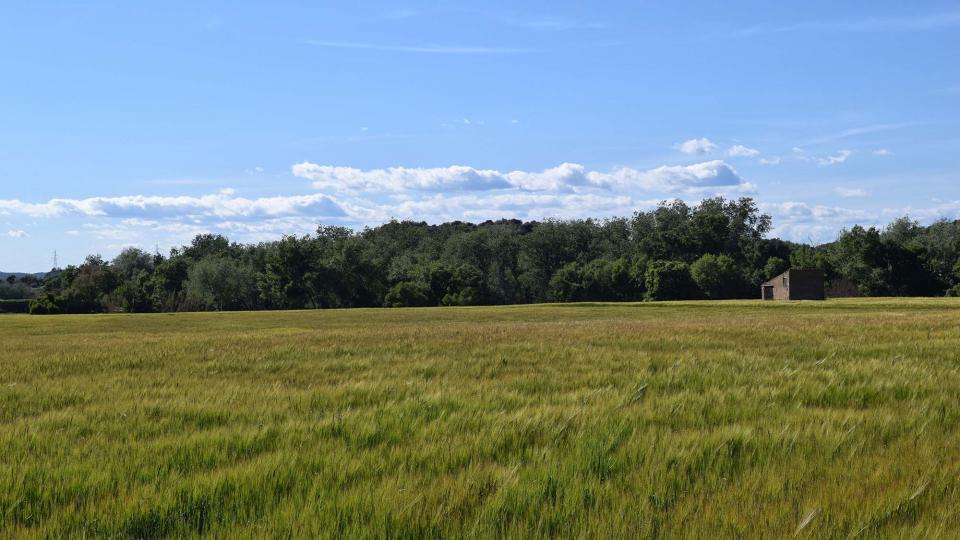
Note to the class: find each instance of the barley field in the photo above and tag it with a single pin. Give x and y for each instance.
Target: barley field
(835, 419)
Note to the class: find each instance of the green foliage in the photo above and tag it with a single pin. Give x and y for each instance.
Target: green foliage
(136, 294)
(717, 276)
(292, 278)
(774, 267)
(206, 246)
(167, 283)
(598, 280)
(14, 290)
(464, 286)
(678, 232)
(218, 283)
(45, 305)
(131, 262)
(803, 258)
(84, 289)
(15, 306)
(903, 260)
(407, 294)
(670, 280)
(505, 262)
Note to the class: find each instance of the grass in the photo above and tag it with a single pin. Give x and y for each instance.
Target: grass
(724, 419)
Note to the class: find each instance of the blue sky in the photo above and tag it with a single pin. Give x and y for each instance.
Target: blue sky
(146, 123)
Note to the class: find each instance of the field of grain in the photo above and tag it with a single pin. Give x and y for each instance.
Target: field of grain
(722, 419)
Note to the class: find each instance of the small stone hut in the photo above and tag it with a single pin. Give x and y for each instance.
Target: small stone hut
(795, 285)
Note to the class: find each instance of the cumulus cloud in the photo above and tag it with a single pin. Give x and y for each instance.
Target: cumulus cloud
(851, 192)
(17, 233)
(358, 197)
(882, 152)
(770, 161)
(686, 178)
(369, 197)
(803, 222)
(566, 177)
(739, 150)
(523, 205)
(400, 178)
(697, 146)
(221, 205)
(949, 209)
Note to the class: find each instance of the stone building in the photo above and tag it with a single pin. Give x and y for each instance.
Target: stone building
(794, 285)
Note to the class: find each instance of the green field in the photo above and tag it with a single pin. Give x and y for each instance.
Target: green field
(696, 419)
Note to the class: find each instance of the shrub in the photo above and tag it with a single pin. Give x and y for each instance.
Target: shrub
(465, 297)
(407, 294)
(45, 305)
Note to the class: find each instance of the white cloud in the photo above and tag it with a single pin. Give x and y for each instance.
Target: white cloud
(563, 178)
(681, 178)
(739, 150)
(801, 154)
(400, 178)
(851, 192)
(840, 157)
(942, 210)
(222, 205)
(17, 233)
(370, 197)
(801, 222)
(770, 161)
(882, 152)
(697, 146)
(527, 206)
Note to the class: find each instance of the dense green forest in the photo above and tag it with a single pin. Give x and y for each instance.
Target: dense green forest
(717, 249)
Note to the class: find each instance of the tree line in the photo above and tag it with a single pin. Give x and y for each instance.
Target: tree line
(716, 249)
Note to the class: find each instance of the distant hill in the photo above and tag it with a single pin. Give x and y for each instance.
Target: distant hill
(38, 275)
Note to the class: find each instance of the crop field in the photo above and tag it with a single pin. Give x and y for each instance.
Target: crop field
(696, 419)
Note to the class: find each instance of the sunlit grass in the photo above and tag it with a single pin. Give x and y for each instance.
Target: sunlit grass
(691, 419)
